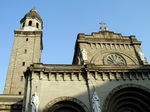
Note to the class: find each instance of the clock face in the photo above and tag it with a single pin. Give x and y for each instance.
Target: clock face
(114, 59)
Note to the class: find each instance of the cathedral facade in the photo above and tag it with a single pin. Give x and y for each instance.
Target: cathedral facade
(109, 73)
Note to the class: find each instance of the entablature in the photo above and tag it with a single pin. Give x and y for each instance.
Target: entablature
(77, 72)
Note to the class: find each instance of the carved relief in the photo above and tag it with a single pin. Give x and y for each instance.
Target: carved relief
(114, 59)
(108, 46)
(116, 46)
(125, 47)
(92, 45)
(97, 46)
(103, 46)
(112, 46)
(124, 58)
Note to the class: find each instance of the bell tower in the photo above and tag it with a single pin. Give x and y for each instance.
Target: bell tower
(26, 50)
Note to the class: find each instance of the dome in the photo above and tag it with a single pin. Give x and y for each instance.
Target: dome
(32, 14)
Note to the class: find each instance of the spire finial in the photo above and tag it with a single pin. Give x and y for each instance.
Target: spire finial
(103, 27)
(34, 9)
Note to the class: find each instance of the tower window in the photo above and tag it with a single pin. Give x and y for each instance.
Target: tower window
(37, 25)
(19, 93)
(30, 23)
(21, 78)
(23, 64)
(25, 51)
(23, 24)
(27, 39)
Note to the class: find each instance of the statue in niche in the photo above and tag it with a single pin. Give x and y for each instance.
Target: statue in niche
(96, 102)
(84, 54)
(34, 102)
(141, 55)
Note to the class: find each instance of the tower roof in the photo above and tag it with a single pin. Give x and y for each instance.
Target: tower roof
(32, 14)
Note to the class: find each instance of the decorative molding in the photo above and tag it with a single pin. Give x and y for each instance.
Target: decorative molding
(99, 53)
(95, 72)
(107, 46)
(60, 76)
(24, 33)
(114, 59)
(118, 75)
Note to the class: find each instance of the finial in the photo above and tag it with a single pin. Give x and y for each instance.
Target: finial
(34, 9)
(103, 27)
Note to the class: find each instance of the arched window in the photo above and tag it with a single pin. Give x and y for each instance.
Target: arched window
(37, 25)
(25, 51)
(21, 78)
(26, 39)
(23, 63)
(30, 23)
